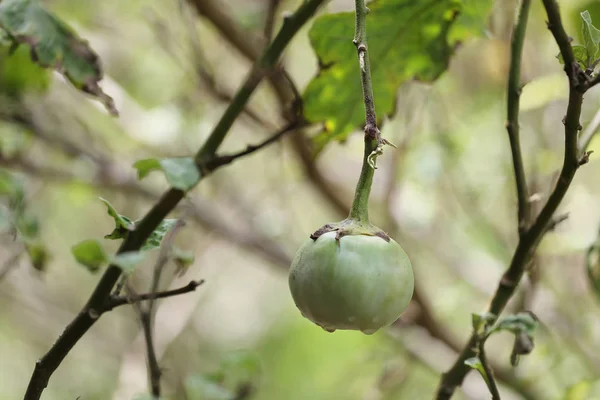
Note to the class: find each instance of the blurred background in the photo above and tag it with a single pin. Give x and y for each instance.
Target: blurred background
(446, 195)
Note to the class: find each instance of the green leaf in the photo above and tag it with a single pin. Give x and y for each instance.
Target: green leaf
(28, 226)
(54, 44)
(579, 391)
(90, 254)
(122, 223)
(475, 363)
(183, 259)
(38, 254)
(591, 37)
(181, 173)
(199, 387)
(406, 39)
(159, 233)
(9, 185)
(520, 322)
(19, 74)
(241, 366)
(128, 261)
(581, 56)
(479, 321)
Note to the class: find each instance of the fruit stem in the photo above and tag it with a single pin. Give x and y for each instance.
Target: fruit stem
(360, 204)
(373, 141)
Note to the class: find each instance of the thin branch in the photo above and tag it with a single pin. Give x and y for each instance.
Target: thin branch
(272, 8)
(86, 318)
(490, 381)
(118, 301)
(530, 240)
(585, 138)
(146, 313)
(512, 123)
(222, 160)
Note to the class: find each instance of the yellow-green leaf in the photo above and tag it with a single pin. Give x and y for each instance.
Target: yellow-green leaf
(406, 39)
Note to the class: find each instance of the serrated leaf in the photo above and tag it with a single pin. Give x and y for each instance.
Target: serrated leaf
(123, 224)
(581, 56)
(475, 363)
(520, 322)
(591, 37)
(90, 254)
(128, 261)
(54, 44)
(181, 173)
(159, 233)
(406, 39)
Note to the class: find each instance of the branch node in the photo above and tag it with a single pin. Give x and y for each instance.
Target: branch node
(557, 220)
(93, 313)
(585, 158)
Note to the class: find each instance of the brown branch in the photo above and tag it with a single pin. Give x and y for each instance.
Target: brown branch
(118, 301)
(531, 238)
(512, 119)
(222, 160)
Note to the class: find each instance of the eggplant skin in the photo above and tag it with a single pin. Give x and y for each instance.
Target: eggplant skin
(358, 282)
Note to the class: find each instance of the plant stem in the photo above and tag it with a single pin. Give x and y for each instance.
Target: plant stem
(512, 122)
(490, 381)
(97, 302)
(360, 204)
(531, 238)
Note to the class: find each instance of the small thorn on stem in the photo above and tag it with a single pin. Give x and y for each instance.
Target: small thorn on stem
(585, 158)
(557, 220)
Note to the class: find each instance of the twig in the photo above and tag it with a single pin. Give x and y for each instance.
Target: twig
(585, 138)
(490, 381)
(530, 239)
(146, 313)
(270, 19)
(512, 123)
(90, 313)
(222, 160)
(118, 301)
